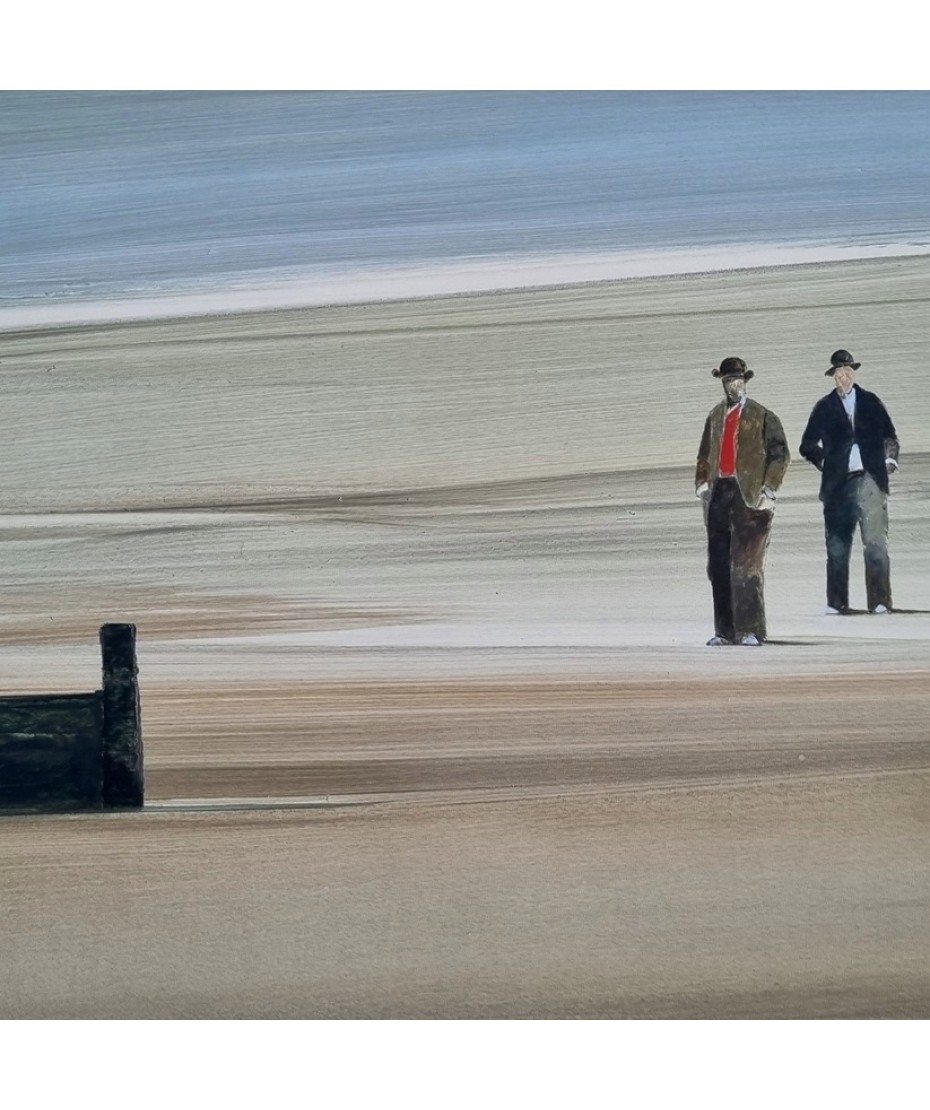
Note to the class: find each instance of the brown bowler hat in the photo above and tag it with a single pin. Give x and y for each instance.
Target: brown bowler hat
(841, 358)
(733, 367)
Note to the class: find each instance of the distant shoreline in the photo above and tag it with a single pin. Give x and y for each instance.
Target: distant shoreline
(461, 278)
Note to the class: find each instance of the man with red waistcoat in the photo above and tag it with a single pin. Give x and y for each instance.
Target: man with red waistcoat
(741, 463)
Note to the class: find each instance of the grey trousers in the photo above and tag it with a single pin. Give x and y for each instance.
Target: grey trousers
(859, 502)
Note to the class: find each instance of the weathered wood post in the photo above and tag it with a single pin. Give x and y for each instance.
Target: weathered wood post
(123, 780)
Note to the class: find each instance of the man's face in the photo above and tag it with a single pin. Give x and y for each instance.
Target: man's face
(735, 389)
(843, 379)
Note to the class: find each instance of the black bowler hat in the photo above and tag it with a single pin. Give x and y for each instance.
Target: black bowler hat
(841, 358)
(733, 367)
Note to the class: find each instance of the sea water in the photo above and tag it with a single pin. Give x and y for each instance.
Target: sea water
(131, 193)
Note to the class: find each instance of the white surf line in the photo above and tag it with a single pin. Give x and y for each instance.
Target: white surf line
(454, 278)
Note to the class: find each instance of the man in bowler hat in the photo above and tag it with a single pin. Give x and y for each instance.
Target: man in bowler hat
(851, 440)
(741, 463)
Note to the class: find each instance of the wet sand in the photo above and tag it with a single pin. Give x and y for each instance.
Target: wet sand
(430, 727)
(806, 899)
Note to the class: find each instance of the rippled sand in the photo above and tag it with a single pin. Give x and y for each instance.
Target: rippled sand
(428, 577)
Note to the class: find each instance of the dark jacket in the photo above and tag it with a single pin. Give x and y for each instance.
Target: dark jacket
(829, 436)
(762, 454)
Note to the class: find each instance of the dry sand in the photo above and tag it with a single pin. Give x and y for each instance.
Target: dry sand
(431, 574)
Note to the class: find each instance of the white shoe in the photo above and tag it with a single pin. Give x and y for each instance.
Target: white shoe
(751, 640)
(879, 609)
(717, 641)
(831, 612)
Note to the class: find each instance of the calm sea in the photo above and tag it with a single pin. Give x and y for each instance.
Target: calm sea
(113, 193)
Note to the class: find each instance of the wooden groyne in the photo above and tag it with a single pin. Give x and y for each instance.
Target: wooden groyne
(77, 751)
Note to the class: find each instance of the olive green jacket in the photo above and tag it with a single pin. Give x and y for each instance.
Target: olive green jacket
(762, 454)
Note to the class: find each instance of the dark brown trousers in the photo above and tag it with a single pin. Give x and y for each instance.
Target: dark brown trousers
(737, 538)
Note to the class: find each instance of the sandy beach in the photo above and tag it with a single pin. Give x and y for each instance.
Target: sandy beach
(430, 726)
